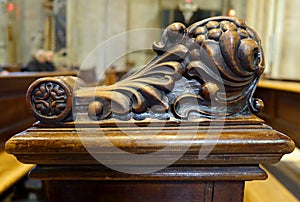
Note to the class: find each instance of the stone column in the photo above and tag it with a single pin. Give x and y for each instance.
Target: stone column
(28, 28)
(89, 25)
(3, 33)
(143, 15)
(289, 65)
(277, 23)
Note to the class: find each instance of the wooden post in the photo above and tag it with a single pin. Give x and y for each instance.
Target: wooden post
(181, 128)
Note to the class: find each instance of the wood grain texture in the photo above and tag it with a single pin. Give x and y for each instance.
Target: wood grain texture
(186, 120)
(179, 173)
(231, 145)
(15, 117)
(144, 191)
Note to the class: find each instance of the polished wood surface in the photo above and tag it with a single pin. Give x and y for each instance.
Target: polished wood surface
(203, 72)
(181, 128)
(229, 145)
(64, 162)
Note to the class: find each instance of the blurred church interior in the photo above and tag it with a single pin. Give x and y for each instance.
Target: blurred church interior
(102, 40)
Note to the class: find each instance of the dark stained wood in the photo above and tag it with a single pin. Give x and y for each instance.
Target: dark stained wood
(181, 128)
(70, 173)
(144, 191)
(193, 173)
(229, 145)
(217, 60)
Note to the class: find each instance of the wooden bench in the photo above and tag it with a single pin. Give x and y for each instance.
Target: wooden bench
(282, 110)
(15, 118)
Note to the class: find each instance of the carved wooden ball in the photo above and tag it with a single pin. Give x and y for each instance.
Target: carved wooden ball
(95, 109)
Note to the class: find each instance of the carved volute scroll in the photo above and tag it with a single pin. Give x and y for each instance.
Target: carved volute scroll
(205, 71)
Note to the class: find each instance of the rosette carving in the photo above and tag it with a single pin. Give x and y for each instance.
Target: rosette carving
(49, 99)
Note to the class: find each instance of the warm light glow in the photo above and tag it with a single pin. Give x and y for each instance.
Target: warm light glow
(10, 7)
(231, 12)
(188, 1)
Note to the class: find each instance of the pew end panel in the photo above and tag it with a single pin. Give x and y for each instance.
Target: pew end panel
(181, 128)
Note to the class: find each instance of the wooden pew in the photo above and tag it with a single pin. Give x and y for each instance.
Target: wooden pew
(15, 113)
(282, 106)
(11, 68)
(15, 117)
(181, 128)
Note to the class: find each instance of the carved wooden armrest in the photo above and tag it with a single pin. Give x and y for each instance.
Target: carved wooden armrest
(185, 122)
(204, 73)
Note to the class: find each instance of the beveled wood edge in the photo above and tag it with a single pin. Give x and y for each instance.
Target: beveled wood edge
(87, 159)
(216, 173)
(235, 145)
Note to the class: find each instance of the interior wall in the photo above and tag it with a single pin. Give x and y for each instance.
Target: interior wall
(21, 30)
(90, 23)
(277, 22)
(87, 33)
(144, 25)
(260, 16)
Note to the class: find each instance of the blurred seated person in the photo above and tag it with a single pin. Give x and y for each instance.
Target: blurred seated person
(3, 72)
(49, 65)
(41, 61)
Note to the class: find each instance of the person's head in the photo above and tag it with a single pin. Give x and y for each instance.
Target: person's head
(40, 56)
(49, 56)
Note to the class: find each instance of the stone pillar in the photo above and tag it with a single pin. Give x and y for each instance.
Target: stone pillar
(277, 23)
(143, 15)
(289, 67)
(3, 33)
(240, 7)
(28, 28)
(261, 15)
(89, 25)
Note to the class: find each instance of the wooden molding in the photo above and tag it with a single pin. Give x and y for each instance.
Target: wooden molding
(230, 145)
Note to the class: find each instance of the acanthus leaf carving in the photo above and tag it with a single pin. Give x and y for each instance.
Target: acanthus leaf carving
(144, 89)
(207, 70)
